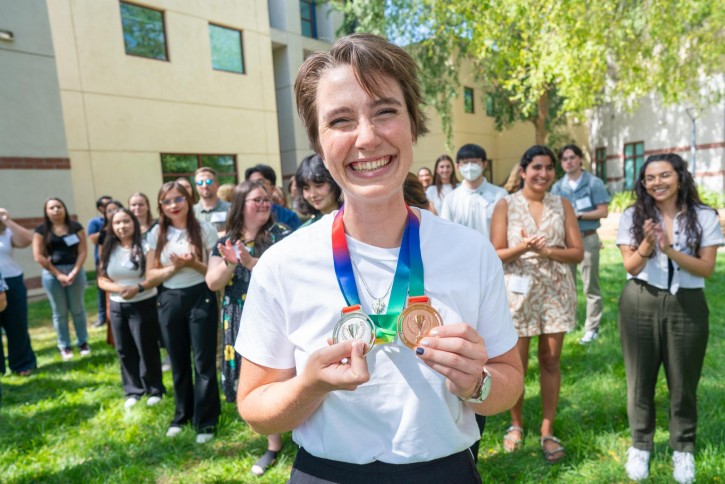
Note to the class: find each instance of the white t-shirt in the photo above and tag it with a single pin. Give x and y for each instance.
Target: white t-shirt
(8, 266)
(404, 413)
(431, 193)
(178, 243)
(655, 270)
(120, 270)
(473, 208)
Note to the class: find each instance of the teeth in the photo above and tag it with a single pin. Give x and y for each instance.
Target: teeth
(370, 165)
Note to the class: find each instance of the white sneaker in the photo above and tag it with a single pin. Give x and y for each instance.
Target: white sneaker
(684, 467)
(153, 400)
(173, 431)
(588, 337)
(130, 402)
(637, 465)
(203, 438)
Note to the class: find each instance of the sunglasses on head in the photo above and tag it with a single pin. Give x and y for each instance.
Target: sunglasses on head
(208, 182)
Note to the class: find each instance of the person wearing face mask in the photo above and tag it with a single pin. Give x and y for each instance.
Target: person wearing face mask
(471, 203)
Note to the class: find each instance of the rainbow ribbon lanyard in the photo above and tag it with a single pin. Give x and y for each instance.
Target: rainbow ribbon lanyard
(408, 277)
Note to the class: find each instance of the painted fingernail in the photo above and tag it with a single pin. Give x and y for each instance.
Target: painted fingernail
(425, 342)
(419, 351)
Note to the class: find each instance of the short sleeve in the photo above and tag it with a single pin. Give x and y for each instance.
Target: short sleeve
(95, 225)
(556, 189)
(153, 237)
(624, 237)
(600, 194)
(40, 229)
(262, 336)
(711, 230)
(75, 227)
(215, 250)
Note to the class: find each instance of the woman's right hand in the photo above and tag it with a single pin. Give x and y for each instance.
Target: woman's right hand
(325, 371)
(533, 243)
(226, 250)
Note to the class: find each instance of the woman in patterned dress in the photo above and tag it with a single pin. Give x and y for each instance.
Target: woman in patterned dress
(249, 232)
(536, 236)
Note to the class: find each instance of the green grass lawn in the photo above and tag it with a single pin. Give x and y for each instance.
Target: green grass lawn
(66, 422)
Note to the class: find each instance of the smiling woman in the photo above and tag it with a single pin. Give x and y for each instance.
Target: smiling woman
(355, 373)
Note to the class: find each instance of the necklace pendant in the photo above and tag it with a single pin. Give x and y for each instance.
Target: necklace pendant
(378, 306)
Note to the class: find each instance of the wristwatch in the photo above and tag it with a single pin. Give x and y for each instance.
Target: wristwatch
(483, 388)
(140, 288)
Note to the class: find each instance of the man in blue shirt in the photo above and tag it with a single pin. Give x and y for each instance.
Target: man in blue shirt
(266, 174)
(590, 200)
(94, 227)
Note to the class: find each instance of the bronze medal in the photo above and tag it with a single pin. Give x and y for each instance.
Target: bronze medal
(416, 321)
(355, 325)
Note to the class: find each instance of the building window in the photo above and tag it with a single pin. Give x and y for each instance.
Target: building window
(489, 105)
(174, 166)
(600, 158)
(633, 161)
(468, 104)
(226, 49)
(144, 32)
(307, 15)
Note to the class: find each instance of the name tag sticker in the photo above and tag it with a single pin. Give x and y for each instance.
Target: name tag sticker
(71, 240)
(217, 217)
(519, 284)
(583, 203)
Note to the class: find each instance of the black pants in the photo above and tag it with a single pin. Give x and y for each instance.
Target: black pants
(188, 320)
(658, 328)
(455, 469)
(14, 320)
(135, 329)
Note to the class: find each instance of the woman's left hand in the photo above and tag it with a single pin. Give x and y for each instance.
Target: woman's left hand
(228, 253)
(128, 292)
(663, 238)
(457, 352)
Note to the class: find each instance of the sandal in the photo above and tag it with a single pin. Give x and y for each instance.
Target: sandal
(265, 462)
(510, 442)
(550, 455)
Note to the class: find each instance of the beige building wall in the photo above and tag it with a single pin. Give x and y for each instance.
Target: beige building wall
(33, 153)
(121, 111)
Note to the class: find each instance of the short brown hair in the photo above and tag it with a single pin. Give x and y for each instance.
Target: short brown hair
(369, 56)
(205, 169)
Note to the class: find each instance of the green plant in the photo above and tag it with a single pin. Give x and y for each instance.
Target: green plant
(620, 201)
(711, 198)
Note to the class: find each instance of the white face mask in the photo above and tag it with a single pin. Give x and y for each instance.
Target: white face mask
(471, 171)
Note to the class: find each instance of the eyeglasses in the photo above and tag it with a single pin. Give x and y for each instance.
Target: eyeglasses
(170, 201)
(652, 179)
(259, 201)
(208, 182)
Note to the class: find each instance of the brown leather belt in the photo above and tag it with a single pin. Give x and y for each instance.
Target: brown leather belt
(587, 233)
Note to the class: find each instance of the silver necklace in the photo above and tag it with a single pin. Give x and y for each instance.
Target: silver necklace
(378, 303)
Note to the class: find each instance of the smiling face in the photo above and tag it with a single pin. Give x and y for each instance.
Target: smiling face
(111, 208)
(122, 226)
(661, 181)
(539, 174)
(366, 142)
(321, 196)
(257, 208)
(424, 177)
(139, 207)
(444, 170)
(174, 206)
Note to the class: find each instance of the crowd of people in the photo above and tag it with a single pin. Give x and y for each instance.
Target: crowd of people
(434, 332)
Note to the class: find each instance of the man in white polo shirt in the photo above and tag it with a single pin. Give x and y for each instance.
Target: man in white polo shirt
(471, 203)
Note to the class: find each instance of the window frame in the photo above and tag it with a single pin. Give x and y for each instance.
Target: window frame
(312, 20)
(629, 184)
(600, 158)
(163, 25)
(469, 94)
(241, 48)
(490, 105)
(199, 164)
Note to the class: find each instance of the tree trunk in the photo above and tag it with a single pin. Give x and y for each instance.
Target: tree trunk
(540, 122)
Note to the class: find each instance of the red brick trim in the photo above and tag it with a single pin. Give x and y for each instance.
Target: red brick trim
(674, 149)
(18, 163)
(33, 282)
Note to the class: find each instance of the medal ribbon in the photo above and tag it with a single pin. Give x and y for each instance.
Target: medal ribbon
(408, 277)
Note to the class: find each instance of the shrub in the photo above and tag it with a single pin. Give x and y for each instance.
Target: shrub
(620, 201)
(712, 198)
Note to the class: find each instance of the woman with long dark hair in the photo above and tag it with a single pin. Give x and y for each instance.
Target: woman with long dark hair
(134, 319)
(669, 242)
(444, 181)
(14, 320)
(59, 246)
(536, 236)
(179, 247)
(317, 193)
(250, 231)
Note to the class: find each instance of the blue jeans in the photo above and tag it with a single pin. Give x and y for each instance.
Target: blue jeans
(67, 298)
(14, 320)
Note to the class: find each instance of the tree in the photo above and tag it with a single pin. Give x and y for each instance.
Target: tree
(546, 60)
